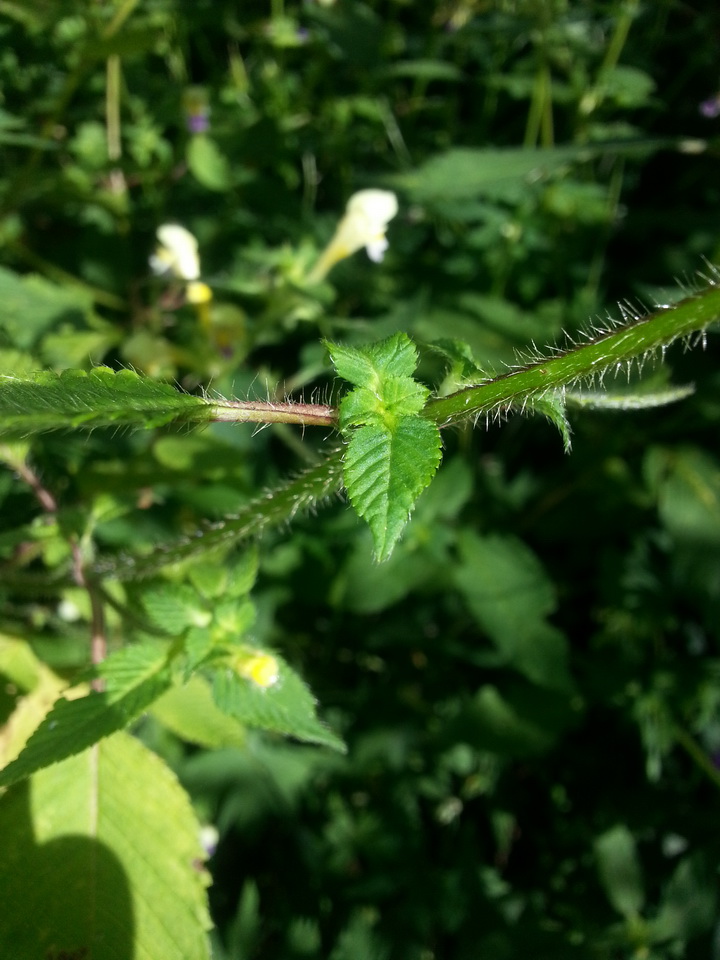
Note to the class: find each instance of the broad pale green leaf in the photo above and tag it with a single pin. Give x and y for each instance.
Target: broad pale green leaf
(286, 706)
(190, 712)
(627, 86)
(207, 164)
(619, 870)
(687, 485)
(99, 398)
(32, 304)
(75, 875)
(134, 677)
(689, 901)
(386, 471)
(466, 172)
(510, 596)
(41, 687)
(518, 725)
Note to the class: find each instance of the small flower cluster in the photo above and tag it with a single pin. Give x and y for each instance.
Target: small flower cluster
(364, 224)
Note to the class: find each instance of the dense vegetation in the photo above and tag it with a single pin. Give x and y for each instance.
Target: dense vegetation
(289, 732)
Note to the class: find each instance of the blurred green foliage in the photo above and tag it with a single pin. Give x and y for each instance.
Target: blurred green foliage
(529, 689)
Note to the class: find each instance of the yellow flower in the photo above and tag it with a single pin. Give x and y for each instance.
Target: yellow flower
(261, 668)
(178, 255)
(364, 225)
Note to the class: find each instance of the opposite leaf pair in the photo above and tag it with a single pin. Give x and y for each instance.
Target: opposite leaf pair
(393, 452)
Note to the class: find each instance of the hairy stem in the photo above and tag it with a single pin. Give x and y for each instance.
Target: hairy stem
(268, 510)
(265, 411)
(610, 350)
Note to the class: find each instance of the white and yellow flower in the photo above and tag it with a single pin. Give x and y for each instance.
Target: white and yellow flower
(177, 254)
(364, 225)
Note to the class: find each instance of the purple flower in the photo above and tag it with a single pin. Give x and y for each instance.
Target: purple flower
(711, 107)
(198, 122)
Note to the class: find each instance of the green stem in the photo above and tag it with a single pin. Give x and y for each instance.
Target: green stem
(698, 755)
(607, 352)
(271, 509)
(120, 17)
(112, 108)
(594, 96)
(264, 411)
(619, 37)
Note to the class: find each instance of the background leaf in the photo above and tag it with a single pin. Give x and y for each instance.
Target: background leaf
(134, 677)
(79, 845)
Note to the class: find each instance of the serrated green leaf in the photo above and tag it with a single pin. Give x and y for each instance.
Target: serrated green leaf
(361, 406)
(460, 358)
(510, 595)
(134, 677)
(403, 396)
(286, 706)
(197, 645)
(231, 579)
(78, 841)
(396, 397)
(174, 607)
(385, 472)
(49, 401)
(368, 366)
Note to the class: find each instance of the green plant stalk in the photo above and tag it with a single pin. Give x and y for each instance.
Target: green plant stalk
(112, 108)
(698, 755)
(119, 19)
(270, 509)
(609, 351)
(594, 96)
(265, 411)
(619, 37)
